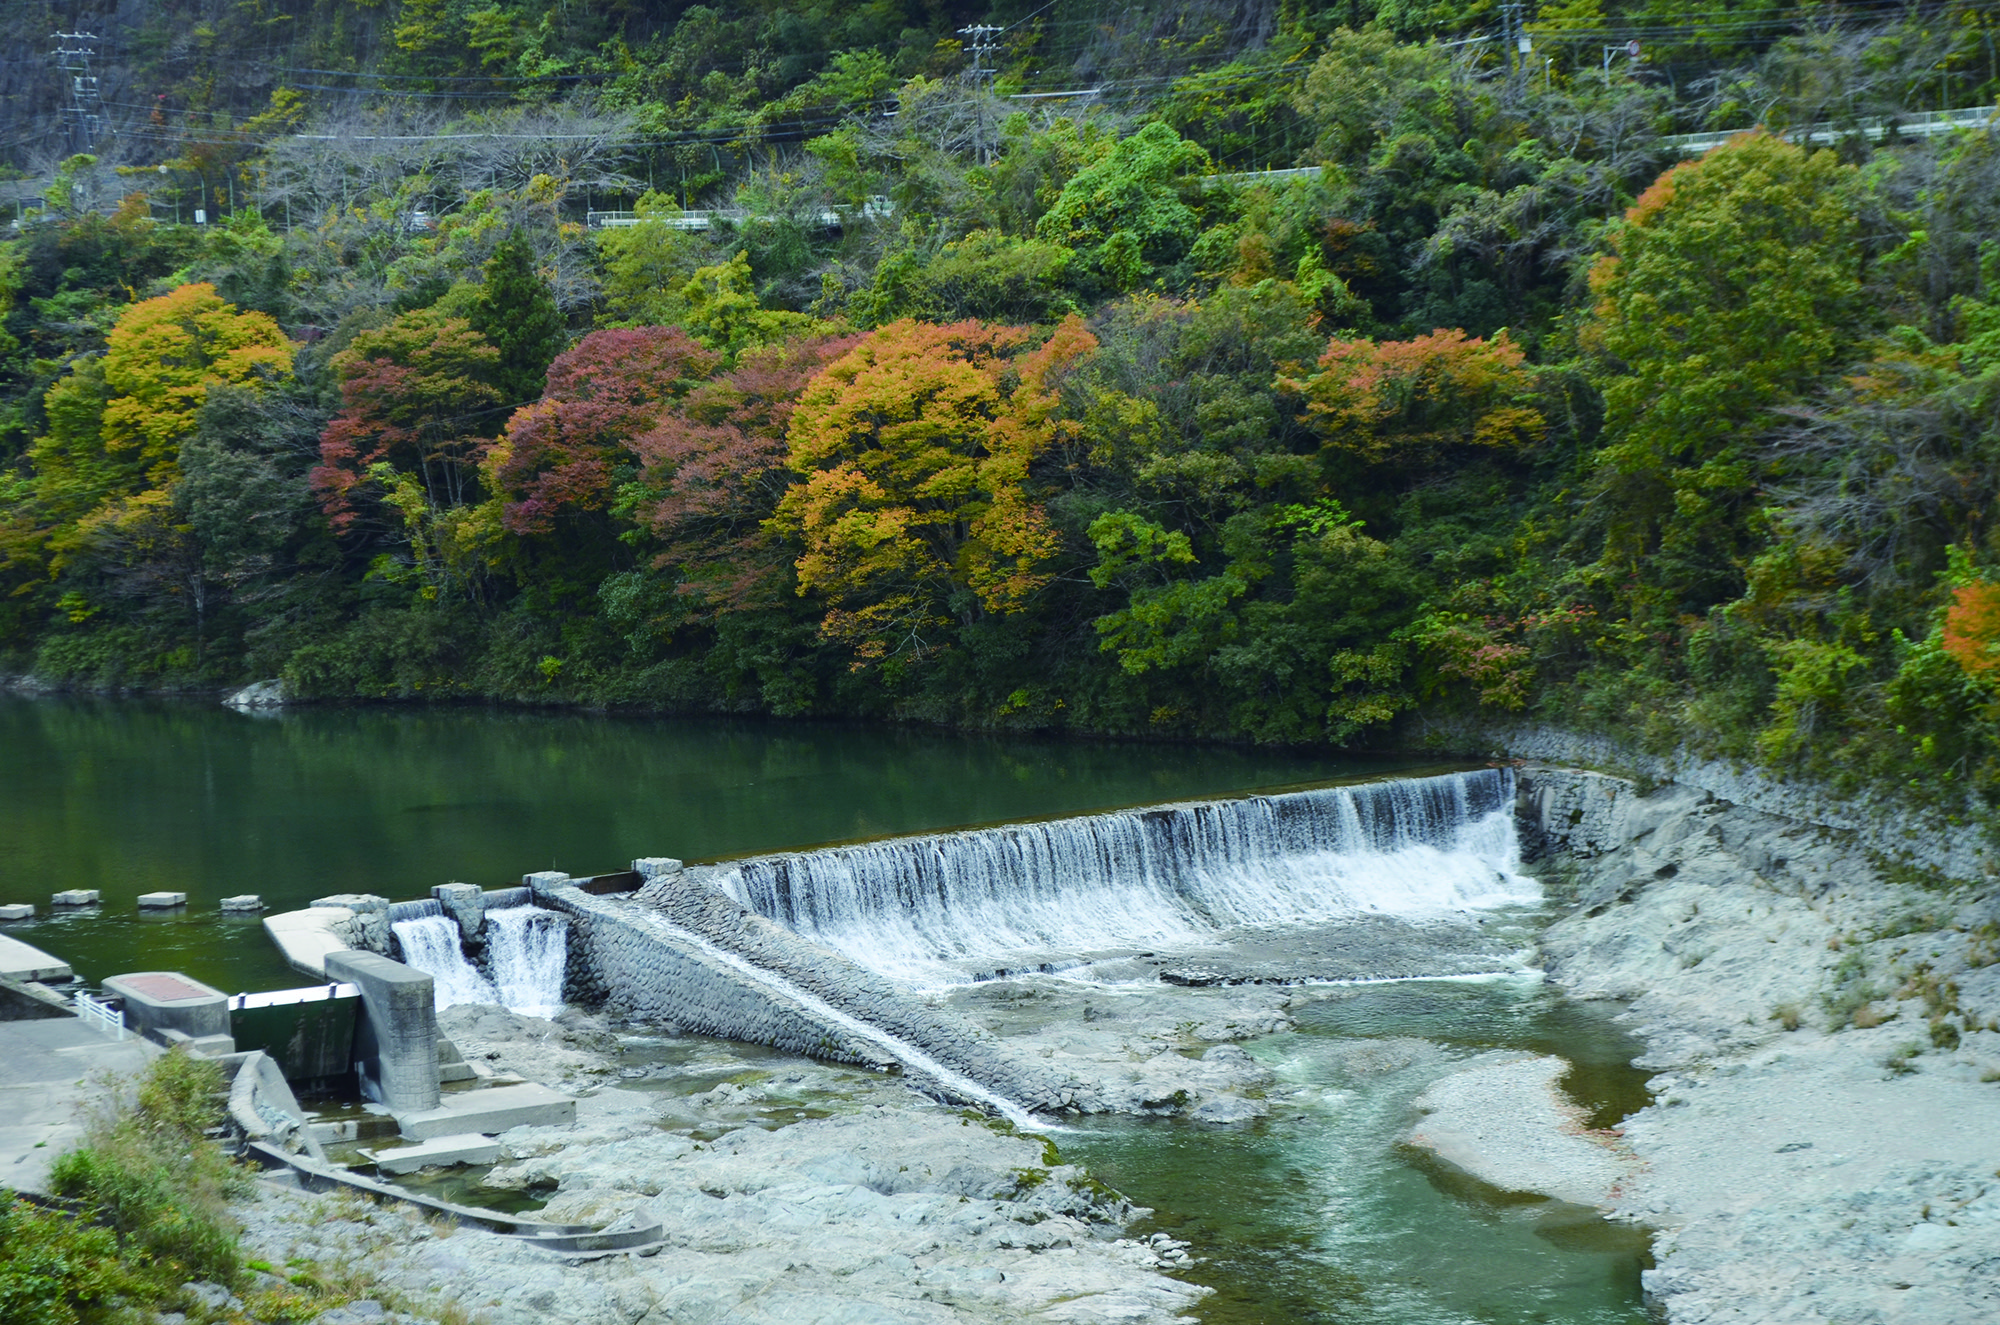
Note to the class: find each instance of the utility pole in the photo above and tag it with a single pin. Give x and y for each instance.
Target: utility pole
(1510, 36)
(981, 42)
(83, 106)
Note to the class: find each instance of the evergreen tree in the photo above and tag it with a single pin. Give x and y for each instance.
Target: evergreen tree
(516, 311)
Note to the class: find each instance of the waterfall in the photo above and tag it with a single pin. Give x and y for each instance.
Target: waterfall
(528, 951)
(1176, 875)
(430, 943)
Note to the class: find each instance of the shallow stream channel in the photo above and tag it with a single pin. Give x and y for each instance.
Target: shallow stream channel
(1309, 1206)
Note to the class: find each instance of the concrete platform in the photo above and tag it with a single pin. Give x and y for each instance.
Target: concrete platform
(490, 1111)
(243, 902)
(48, 1077)
(18, 961)
(306, 937)
(76, 897)
(465, 1148)
(160, 1001)
(161, 901)
(17, 911)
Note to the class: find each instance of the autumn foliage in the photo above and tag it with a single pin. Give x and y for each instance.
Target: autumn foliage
(1972, 629)
(1410, 400)
(915, 450)
(564, 451)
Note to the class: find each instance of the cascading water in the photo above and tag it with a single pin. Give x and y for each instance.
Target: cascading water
(528, 951)
(1166, 876)
(526, 947)
(430, 943)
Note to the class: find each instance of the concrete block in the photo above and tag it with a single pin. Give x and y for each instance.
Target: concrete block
(75, 897)
(17, 911)
(395, 1044)
(243, 902)
(160, 1001)
(161, 901)
(18, 961)
(306, 937)
(652, 866)
(370, 926)
(491, 1111)
(466, 1148)
(536, 883)
(465, 903)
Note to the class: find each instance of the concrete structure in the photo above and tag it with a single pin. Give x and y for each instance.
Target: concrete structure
(306, 937)
(48, 1082)
(243, 902)
(161, 901)
(492, 1110)
(17, 911)
(395, 1042)
(18, 961)
(76, 897)
(465, 903)
(166, 1006)
(650, 867)
(367, 926)
(467, 1148)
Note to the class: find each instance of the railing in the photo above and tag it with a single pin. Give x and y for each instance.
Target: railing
(875, 209)
(102, 1014)
(1924, 124)
(279, 998)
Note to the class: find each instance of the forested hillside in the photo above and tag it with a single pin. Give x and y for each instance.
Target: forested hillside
(803, 359)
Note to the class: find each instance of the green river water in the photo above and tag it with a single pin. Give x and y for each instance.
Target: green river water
(1312, 1215)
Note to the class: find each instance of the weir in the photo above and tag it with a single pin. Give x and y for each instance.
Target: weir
(526, 952)
(930, 909)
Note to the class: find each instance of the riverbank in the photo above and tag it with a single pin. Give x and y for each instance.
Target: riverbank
(1825, 1130)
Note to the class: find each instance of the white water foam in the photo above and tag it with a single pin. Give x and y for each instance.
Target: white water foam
(430, 943)
(526, 946)
(923, 909)
(902, 1050)
(528, 949)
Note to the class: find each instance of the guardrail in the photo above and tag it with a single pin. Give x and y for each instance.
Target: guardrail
(1924, 124)
(100, 1013)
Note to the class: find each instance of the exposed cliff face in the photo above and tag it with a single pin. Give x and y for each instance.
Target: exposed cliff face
(1844, 1170)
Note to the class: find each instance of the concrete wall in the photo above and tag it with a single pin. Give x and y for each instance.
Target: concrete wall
(395, 1042)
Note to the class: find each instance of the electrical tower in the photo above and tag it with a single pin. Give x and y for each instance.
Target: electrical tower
(981, 42)
(83, 105)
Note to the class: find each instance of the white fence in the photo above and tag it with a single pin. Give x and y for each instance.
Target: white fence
(103, 1015)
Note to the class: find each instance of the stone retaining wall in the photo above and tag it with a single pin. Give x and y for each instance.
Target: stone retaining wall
(626, 956)
(690, 900)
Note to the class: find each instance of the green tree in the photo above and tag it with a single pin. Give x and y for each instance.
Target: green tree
(1131, 211)
(516, 312)
(1733, 285)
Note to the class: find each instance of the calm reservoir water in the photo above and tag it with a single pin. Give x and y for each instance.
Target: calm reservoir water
(135, 796)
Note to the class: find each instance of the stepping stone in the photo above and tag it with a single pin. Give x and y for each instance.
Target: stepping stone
(17, 911)
(464, 1148)
(161, 901)
(76, 897)
(243, 902)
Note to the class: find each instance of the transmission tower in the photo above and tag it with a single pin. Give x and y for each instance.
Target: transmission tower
(83, 104)
(981, 42)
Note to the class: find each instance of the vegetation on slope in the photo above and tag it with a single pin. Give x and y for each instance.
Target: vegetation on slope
(1011, 409)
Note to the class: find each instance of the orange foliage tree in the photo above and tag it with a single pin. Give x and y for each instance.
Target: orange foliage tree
(916, 506)
(1972, 629)
(1407, 400)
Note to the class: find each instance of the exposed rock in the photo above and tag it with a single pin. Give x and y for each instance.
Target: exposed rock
(264, 695)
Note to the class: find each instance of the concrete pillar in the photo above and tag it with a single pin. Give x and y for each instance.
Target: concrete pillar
(650, 867)
(395, 1043)
(465, 903)
(544, 881)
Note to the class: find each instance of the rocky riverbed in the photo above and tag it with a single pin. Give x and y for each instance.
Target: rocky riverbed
(1821, 1142)
(1825, 1131)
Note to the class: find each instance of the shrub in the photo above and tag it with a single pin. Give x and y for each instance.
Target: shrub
(54, 1270)
(148, 1172)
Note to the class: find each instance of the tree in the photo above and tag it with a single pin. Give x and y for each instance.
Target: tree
(564, 453)
(420, 395)
(1127, 213)
(516, 312)
(1412, 402)
(1732, 286)
(714, 467)
(915, 449)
